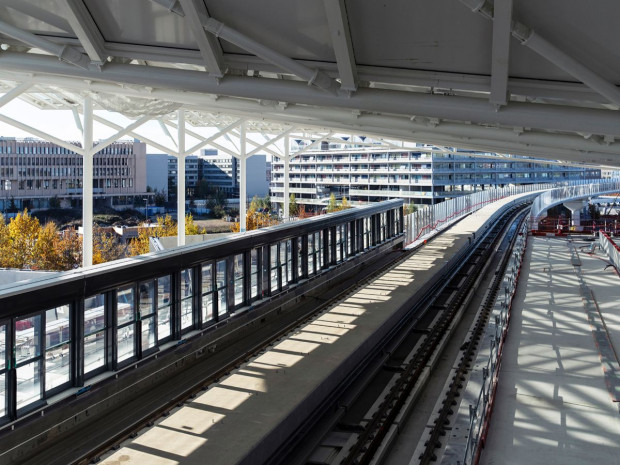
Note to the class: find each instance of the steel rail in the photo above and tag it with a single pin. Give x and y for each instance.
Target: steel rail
(369, 441)
(439, 426)
(130, 430)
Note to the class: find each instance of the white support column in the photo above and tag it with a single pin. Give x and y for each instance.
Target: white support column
(243, 197)
(287, 152)
(575, 207)
(87, 185)
(181, 181)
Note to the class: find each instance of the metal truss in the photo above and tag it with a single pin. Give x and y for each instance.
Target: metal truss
(212, 79)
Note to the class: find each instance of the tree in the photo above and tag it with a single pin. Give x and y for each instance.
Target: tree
(217, 203)
(256, 203)
(5, 241)
(47, 250)
(23, 233)
(12, 206)
(302, 213)
(293, 208)
(55, 202)
(70, 250)
(255, 219)
(410, 208)
(165, 227)
(202, 189)
(191, 228)
(266, 202)
(160, 198)
(25, 244)
(332, 205)
(106, 247)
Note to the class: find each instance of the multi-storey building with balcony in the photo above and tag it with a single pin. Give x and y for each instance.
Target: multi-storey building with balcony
(419, 175)
(35, 174)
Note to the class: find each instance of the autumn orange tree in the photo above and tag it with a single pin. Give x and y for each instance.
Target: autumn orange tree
(19, 238)
(255, 219)
(106, 247)
(164, 227)
(25, 244)
(47, 249)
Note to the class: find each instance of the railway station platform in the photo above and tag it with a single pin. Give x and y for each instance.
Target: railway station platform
(557, 398)
(249, 414)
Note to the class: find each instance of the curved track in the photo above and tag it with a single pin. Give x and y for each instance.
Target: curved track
(402, 367)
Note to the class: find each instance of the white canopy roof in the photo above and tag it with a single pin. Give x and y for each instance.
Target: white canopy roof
(534, 78)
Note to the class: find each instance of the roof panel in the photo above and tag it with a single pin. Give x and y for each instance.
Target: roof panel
(434, 35)
(297, 29)
(37, 16)
(424, 67)
(140, 22)
(587, 31)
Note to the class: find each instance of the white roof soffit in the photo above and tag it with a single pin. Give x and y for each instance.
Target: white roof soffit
(539, 79)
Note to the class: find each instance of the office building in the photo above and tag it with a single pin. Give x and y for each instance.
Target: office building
(37, 174)
(220, 172)
(191, 176)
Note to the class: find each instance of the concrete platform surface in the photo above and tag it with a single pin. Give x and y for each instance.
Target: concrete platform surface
(247, 415)
(556, 401)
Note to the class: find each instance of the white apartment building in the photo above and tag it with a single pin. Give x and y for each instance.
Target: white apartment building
(418, 174)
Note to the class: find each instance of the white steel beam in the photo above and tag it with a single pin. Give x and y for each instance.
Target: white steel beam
(314, 144)
(256, 144)
(181, 180)
(531, 143)
(222, 132)
(63, 52)
(14, 93)
(546, 49)
(270, 142)
(527, 87)
(312, 76)
(86, 31)
(210, 49)
(171, 5)
(76, 119)
(243, 197)
(223, 149)
(165, 130)
(212, 143)
(500, 53)
(286, 160)
(41, 134)
(110, 140)
(475, 110)
(341, 40)
(150, 142)
(573, 67)
(87, 185)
